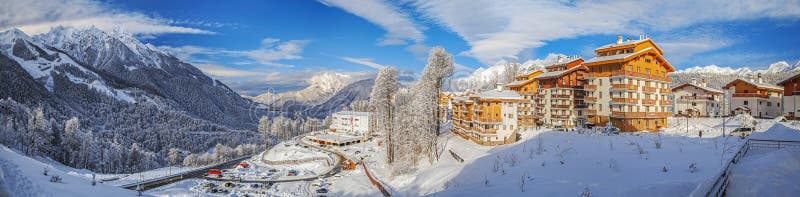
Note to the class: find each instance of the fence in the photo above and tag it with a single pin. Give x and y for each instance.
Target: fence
(294, 161)
(720, 184)
(375, 182)
(455, 156)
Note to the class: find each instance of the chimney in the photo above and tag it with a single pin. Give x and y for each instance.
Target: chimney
(641, 36)
(499, 87)
(759, 78)
(619, 39)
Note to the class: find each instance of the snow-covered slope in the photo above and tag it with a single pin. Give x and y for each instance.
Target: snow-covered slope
(483, 77)
(321, 87)
(24, 176)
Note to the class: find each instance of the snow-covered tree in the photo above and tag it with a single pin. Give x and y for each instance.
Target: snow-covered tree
(381, 98)
(40, 136)
(263, 128)
(174, 156)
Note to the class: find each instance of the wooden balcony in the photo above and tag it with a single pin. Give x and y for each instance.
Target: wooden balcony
(560, 116)
(560, 96)
(649, 89)
(640, 114)
(485, 131)
(540, 114)
(629, 73)
(665, 90)
(525, 116)
(488, 120)
(560, 106)
(590, 87)
(757, 95)
(623, 87)
(665, 102)
(523, 108)
(624, 100)
(696, 98)
(648, 102)
(589, 112)
(590, 99)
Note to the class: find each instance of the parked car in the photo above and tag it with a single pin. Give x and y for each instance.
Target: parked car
(322, 190)
(229, 184)
(209, 185)
(273, 170)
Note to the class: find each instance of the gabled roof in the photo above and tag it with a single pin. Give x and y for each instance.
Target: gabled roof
(568, 61)
(559, 73)
(628, 56)
(784, 80)
(757, 85)
(627, 43)
(523, 82)
(494, 94)
(707, 89)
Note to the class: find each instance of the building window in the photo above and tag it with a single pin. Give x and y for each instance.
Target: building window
(745, 102)
(694, 104)
(647, 60)
(769, 104)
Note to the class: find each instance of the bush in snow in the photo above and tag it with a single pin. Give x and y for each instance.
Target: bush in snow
(486, 181)
(693, 167)
(664, 169)
(586, 192)
(657, 141)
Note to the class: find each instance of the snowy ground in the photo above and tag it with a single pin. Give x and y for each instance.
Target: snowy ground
(137, 177)
(593, 163)
(23, 176)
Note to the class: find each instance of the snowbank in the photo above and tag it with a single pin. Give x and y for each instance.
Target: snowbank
(777, 132)
(23, 176)
(772, 174)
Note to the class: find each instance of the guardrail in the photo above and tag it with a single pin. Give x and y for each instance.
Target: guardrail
(721, 182)
(159, 181)
(455, 156)
(375, 182)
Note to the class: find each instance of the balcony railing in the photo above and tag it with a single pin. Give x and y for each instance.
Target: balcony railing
(560, 116)
(629, 73)
(623, 86)
(697, 98)
(561, 96)
(560, 106)
(525, 116)
(648, 102)
(590, 87)
(649, 89)
(641, 114)
(590, 112)
(623, 100)
(488, 120)
(590, 99)
(750, 95)
(665, 90)
(665, 102)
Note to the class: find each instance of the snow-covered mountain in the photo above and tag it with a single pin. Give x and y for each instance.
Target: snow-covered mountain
(321, 87)
(777, 67)
(486, 77)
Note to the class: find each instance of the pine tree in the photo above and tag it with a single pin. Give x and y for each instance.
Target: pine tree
(381, 98)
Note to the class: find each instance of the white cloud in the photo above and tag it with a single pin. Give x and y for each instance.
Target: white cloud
(35, 17)
(501, 29)
(272, 50)
(364, 61)
(681, 47)
(269, 53)
(228, 72)
(398, 25)
(419, 50)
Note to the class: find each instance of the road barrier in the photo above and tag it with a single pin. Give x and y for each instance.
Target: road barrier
(375, 182)
(455, 156)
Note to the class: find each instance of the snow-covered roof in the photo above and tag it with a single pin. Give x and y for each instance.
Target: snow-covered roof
(706, 88)
(778, 131)
(612, 45)
(557, 73)
(513, 83)
(353, 113)
(615, 57)
(788, 78)
(494, 94)
(760, 85)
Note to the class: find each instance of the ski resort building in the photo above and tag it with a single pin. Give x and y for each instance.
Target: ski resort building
(527, 86)
(754, 97)
(560, 101)
(488, 117)
(347, 127)
(697, 100)
(791, 97)
(627, 86)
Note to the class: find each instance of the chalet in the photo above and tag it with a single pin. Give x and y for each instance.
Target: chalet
(791, 97)
(560, 98)
(697, 100)
(754, 97)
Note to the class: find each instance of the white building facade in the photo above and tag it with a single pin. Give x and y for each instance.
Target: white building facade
(697, 100)
(350, 122)
(755, 98)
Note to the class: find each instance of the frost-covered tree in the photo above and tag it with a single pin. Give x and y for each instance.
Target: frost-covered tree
(263, 128)
(381, 100)
(174, 156)
(511, 69)
(40, 136)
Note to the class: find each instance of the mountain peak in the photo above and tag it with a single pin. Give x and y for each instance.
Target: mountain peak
(8, 35)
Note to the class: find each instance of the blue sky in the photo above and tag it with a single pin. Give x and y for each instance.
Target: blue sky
(253, 45)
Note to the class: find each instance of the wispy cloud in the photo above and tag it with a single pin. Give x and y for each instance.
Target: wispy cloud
(269, 53)
(364, 61)
(398, 25)
(496, 30)
(35, 17)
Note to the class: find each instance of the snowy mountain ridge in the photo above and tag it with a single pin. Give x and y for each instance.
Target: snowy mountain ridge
(321, 87)
(486, 77)
(777, 67)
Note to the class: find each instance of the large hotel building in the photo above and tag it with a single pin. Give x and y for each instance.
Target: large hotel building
(625, 85)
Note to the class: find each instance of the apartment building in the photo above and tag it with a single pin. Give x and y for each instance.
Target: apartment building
(754, 97)
(627, 86)
(488, 117)
(527, 87)
(560, 99)
(697, 100)
(791, 97)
